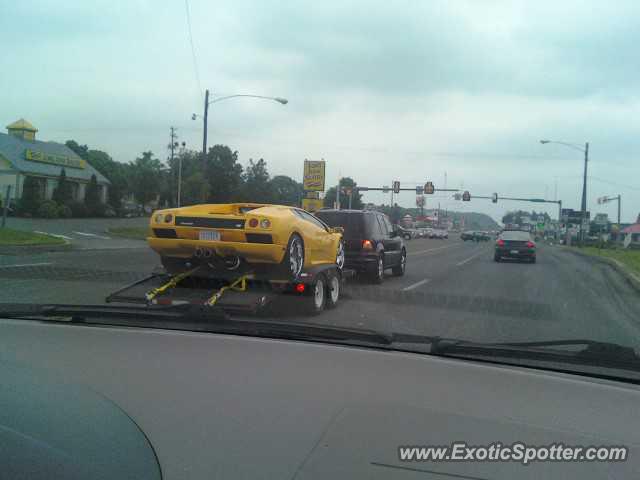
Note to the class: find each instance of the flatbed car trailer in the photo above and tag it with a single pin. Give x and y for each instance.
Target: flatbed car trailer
(317, 288)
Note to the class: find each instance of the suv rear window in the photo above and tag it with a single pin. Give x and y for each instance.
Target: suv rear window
(352, 223)
(515, 235)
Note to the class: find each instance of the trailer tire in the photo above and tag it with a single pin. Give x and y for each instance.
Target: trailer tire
(174, 266)
(316, 299)
(333, 290)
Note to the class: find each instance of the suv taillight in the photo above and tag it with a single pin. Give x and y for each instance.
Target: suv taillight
(531, 245)
(367, 245)
(500, 243)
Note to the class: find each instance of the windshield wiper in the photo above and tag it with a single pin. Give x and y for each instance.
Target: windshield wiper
(593, 353)
(192, 318)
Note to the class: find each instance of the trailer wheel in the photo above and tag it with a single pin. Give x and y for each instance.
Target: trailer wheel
(174, 266)
(317, 297)
(333, 290)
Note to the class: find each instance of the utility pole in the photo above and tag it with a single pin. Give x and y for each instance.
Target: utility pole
(204, 119)
(172, 146)
(5, 208)
(584, 192)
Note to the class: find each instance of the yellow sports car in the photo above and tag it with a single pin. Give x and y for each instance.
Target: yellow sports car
(240, 236)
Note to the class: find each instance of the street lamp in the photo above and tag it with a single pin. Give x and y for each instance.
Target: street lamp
(584, 150)
(208, 102)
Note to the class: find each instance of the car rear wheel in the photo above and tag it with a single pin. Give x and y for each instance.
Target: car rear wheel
(294, 256)
(317, 297)
(399, 269)
(333, 290)
(496, 258)
(533, 260)
(377, 272)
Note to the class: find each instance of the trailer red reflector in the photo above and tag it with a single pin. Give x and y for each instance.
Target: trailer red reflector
(300, 287)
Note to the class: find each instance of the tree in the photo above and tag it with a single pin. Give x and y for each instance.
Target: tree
(223, 174)
(194, 188)
(62, 194)
(256, 183)
(92, 196)
(81, 150)
(146, 172)
(31, 197)
(285, 190)
(345, 183)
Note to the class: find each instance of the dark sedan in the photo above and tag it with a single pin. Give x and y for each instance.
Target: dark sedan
(516, 245)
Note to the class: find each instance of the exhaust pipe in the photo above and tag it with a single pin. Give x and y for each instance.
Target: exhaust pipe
(199, 252)
(206, 253)
(232, 263)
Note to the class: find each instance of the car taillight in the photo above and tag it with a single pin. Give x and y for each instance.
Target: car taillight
(253, 223)
(264, 223)
(531, 245)
(300, 287)
(367, 245)
(500, 243)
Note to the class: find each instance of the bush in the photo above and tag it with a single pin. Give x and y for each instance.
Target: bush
(64, 211)
(78, 209)
(48, 209)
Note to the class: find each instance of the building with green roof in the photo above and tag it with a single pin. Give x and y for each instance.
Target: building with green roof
(22, 155)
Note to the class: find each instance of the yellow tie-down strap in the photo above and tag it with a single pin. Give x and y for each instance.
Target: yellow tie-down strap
(239, 285)
(170, 284)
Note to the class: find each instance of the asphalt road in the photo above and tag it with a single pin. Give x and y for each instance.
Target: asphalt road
(451, 288)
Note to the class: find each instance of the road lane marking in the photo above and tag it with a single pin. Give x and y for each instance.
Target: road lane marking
(19, 265)
(434, 249)
(53, 235)
(85, 234)
(459, 264)
(416, 285)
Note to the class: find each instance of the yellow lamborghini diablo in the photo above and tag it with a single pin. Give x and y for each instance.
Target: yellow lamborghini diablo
(227, 236)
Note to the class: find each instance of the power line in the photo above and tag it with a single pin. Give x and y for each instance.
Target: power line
(615, 184)
(193, 50)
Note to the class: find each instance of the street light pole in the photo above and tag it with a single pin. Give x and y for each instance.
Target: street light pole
(204, 131)
(584, 192)
(585, 150)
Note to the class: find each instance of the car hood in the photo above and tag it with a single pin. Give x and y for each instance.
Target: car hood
(219, 406)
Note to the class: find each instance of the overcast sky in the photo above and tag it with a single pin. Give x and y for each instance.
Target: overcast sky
(380, 90)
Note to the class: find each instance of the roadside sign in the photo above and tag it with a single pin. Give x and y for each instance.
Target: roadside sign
(312, 204)
(429, 189)
(466, 196)
(419, 190)
(396, 186)
(420, 201)
(313, 178)
(385, 189)
(312, 195)
(494, 198)
(457, 196)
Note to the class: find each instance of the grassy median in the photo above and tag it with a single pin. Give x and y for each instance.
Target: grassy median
(10, 237)
(135, 233)
(630, 258)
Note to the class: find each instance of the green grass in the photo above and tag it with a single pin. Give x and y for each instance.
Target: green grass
(9, 237)
(136, 233)
(630, 258)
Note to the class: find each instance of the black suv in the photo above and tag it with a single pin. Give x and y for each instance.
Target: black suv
(372, 245)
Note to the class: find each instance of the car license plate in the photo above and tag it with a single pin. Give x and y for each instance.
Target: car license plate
(515, 251)
(209, 235)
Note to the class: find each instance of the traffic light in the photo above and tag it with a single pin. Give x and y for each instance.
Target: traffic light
(466, 196)
(429, 189)
(396, 186)
(457, 196)
(494, 198)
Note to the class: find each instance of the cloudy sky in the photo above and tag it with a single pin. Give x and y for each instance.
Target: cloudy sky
(381, 90)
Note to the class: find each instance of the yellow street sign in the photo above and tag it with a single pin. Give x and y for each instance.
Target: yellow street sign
(313, 178)
(312, 204)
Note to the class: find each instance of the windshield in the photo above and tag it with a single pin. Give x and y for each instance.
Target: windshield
(476, 160)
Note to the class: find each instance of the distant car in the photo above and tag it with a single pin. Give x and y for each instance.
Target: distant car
(468, 235)
(406, 233)
(372, 245)
(516, 245)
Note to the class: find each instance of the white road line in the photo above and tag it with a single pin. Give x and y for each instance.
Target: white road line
(470, 258)
(18, 265)
(416, 285)
(54, 235)
(85, 234)
(434, 249)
